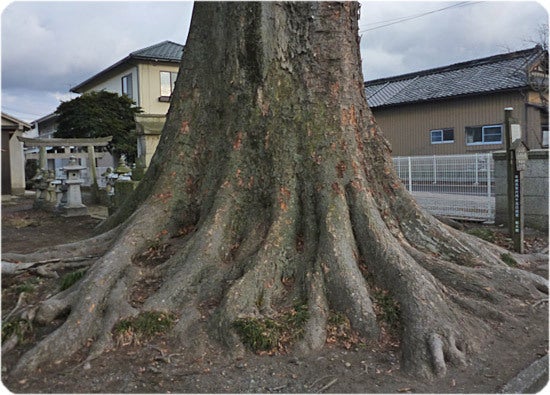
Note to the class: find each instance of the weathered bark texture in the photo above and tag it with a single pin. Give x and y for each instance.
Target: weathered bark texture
(273, 185)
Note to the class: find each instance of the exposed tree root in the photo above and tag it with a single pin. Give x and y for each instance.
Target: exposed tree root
(275, 189)
(444, 306)
(46, 267)
(94, 246)
(93, 304)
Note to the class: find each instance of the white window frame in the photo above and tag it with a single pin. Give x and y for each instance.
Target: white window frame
(483, 142)
(442, 134)
(172, 75)
(129, 85)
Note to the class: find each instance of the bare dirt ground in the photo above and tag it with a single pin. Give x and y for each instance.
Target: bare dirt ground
(158, 366)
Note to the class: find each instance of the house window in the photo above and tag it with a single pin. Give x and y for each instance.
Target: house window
(167, 83)
(441, 136)
(490, 134)
(127, 88)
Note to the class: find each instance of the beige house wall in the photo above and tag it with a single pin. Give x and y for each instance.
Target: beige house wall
(114, 83)
(149, 84)
(407, 127)
(145, 84)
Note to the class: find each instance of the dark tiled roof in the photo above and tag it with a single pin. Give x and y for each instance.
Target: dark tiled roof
(166, 50)
(495, 73)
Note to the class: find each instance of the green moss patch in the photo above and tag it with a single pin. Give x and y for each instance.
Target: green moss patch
(508, 259)
(271, 335)
(387, 308)
(69, 279)
(146, 325)
(21, 328)
(483, 233)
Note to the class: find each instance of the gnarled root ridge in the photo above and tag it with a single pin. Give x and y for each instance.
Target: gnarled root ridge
(94, 246)
(272, 203)
(326, 253)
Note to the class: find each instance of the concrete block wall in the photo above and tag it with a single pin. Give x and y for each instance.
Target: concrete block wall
(534, 185)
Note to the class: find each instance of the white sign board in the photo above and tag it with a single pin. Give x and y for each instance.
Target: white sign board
(515, 132)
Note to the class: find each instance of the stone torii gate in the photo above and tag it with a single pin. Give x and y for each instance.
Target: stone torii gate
(43, 156)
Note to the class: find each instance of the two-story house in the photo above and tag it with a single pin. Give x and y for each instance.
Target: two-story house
(459, 109)
(147, 76)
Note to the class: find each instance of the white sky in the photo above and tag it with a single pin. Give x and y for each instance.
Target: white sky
(47, 47)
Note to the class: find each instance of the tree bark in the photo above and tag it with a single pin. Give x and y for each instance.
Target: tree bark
(273, 185)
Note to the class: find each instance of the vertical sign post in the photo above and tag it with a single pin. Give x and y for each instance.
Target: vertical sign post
(510, 168)
(520, 162)
(516, 161)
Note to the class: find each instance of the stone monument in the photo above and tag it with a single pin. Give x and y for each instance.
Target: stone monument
(73, 207)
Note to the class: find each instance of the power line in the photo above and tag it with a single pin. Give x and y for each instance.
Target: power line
(401, 18)
(395, 21)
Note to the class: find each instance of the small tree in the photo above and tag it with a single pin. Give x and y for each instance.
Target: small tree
(101, 114)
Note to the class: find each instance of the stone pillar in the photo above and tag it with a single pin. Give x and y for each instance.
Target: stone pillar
(40, 184)
(148, 128)
(50, 197)
(59, 192)
(94, 187)
(123, 186)
(42, 160)
(17, 164)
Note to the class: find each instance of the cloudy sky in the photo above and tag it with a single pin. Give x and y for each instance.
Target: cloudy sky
(47, 47)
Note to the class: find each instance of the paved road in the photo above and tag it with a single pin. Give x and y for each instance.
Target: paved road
(455, 189)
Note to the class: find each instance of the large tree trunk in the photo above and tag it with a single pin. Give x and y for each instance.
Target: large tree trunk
(273, 186)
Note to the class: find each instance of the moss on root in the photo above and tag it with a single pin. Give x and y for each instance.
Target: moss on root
(508, 259)
(387, 309)
(21, 328)
(69, 279)
(147, 324)
(272, 334)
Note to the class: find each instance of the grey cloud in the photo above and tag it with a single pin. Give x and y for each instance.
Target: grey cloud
(471, 30)
(49, 46)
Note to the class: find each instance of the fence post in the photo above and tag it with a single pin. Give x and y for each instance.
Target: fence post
(477, 171)
(488, 159)
(435, 170)
(410, 175)
(397, 164)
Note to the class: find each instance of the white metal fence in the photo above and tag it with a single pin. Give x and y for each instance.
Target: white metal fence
(454, 186)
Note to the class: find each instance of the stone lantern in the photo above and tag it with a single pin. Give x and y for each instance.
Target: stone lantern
(74, 206)
(122, 169)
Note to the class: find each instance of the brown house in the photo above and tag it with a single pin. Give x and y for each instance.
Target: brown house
(459, 109)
